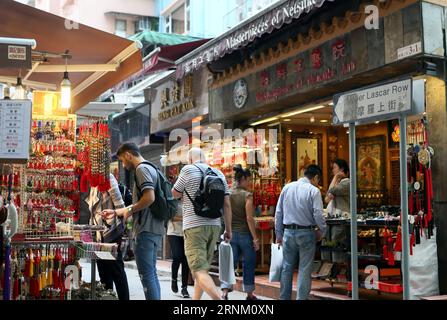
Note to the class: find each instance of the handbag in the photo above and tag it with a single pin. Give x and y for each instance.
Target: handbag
(115, 230)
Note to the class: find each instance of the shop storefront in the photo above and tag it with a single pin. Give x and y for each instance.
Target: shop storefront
(287, 80)
(177, 108)
(46, 157)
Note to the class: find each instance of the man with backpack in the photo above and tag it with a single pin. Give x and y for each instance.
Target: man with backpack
(152, 206)
(206, 199)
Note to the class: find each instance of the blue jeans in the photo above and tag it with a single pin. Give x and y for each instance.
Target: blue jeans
(298, 248)
(242, 243)
(146, 244)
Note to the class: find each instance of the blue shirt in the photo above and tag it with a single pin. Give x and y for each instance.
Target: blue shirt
(299, 203)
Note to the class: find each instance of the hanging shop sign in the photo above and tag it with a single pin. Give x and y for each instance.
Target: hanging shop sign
(177, 102)
(15, 128)
(319, 70)
(331, 62)
(381, 102)
(258, 26)
(15, 56)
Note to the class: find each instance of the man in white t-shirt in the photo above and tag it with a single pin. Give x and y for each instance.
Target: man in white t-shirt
(201, 234)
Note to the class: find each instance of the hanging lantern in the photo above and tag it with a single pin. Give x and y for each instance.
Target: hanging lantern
(20, 91)
(66, 92)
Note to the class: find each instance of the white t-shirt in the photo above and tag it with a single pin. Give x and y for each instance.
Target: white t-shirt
(176, 228)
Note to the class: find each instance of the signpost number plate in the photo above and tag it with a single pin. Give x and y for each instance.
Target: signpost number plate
(383, 102)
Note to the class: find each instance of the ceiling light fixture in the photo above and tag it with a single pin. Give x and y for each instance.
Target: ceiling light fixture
(66, 86)
(263, 121)
(20, 91)
(312, 119)
(293, 113)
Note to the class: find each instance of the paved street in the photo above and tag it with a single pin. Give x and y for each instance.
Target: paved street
(136, 289)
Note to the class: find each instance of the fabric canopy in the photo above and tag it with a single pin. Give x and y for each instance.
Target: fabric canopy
(86, 45)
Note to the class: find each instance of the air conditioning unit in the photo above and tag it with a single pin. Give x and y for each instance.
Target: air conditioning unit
(144, 23)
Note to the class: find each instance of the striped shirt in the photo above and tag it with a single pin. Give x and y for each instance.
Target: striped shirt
(189, 181)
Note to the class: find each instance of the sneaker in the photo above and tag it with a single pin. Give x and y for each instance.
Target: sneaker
(253, 297)
(174, 286)
(185, 293)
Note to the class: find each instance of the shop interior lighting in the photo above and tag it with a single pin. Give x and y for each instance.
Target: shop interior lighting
(274, 124)
(263, 121)
(312, 119)
(300, 111)
(331, 104)
(66, 87)
(287, 120)
(377, 122)
(290, 130)
(324, 121)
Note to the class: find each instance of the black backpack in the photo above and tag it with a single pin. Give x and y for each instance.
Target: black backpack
(209, 198)
(125, 194)
(165, 206)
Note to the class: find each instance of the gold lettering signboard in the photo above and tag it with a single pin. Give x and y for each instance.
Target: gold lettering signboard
(176, 99)
(176, 103)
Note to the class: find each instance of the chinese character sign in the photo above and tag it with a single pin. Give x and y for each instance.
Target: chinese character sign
(316, 58)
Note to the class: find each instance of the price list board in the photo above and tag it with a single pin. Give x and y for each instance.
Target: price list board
(15, 130)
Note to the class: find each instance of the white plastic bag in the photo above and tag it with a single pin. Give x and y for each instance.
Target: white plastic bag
(424, 269)
(276, 263)
(226, 264)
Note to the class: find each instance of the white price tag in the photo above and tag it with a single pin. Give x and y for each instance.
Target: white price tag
(409, 51)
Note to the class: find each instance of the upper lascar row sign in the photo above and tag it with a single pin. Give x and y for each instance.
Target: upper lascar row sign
(379, 102)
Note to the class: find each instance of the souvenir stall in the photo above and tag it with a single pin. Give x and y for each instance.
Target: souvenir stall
(43, 257)
(39, 176)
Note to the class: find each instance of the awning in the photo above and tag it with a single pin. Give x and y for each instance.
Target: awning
(161, 58)
(149, 37)
(99, 59)
(165, 57)
(274, 17)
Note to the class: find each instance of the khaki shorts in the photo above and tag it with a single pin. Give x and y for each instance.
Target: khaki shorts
(200, 244)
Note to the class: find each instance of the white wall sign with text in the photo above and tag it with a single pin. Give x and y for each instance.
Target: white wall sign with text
(374, 103)
(15, 130)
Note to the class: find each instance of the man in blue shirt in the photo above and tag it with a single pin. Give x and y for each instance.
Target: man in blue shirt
(298, 214)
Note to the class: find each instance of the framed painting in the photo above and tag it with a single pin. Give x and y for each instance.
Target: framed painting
(306, 150)
(371, 163)
(307, 154)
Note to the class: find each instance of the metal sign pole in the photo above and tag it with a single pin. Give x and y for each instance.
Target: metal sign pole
(404, 207)
(353, 196)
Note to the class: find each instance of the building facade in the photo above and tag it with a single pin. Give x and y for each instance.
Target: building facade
(206, 19)
(122, 18)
